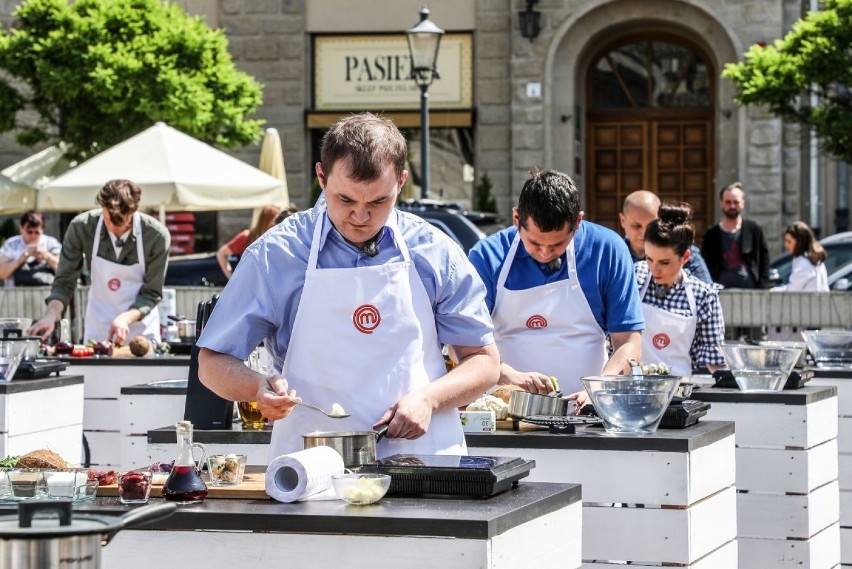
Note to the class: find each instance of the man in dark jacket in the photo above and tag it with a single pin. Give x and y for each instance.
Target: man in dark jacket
(735, 249)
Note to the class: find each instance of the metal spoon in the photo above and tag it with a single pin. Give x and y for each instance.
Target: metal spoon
(308, 405)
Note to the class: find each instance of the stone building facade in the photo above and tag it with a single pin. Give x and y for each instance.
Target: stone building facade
(552, 101)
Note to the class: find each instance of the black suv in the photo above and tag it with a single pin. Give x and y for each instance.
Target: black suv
(202, 269)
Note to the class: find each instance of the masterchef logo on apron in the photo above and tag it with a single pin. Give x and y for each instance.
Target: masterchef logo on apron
(536, 321)
(661, 341)
(114, 284)
(366, 318)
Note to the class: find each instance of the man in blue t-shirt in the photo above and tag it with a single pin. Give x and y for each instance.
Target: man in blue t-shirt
(557, 287)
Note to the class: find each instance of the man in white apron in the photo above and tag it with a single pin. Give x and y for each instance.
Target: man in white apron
(557, 286)
(353, 300)
(127, 252)
(684, 324)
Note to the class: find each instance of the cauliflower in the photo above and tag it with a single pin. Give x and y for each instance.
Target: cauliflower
(491, 403)
(656, 369)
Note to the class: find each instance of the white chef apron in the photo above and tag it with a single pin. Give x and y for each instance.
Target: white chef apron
(114, 289)
(668, 336)
(548, 329)
(364, 337)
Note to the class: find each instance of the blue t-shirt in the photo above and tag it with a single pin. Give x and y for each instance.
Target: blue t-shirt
(262, 297)
(604, 269)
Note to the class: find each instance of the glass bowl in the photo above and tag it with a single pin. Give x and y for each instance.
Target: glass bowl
(829, 347)
(360, 488)
(760, 368)
(63, 484)
(802, 361)
(631, 404)
(226, 469)
(134, 486)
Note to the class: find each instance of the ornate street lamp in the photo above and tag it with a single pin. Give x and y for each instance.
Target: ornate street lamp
(530, 20)
(424, 40)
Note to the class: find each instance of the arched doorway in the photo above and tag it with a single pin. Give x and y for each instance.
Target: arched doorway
(650, 125)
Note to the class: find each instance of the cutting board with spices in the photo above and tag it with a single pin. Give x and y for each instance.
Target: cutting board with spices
(251, 488)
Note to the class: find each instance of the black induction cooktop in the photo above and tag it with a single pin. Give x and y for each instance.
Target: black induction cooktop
(451, 475)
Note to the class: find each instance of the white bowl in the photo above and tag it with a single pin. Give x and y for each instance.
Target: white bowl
(360, 489)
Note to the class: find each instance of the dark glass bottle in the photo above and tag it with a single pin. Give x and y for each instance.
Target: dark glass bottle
(184, 484)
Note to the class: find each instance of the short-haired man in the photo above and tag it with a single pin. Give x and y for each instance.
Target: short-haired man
(29, 259)
(640, 209)
(353, 299)
(127, 253)
(557, 287)
(735, 249)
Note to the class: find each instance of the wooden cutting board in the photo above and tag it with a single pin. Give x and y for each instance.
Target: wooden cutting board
(251, 488)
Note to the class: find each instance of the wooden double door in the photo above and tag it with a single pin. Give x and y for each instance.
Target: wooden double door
(671, 157)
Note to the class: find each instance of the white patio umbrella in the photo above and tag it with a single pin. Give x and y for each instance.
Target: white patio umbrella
(15, 197)
(175, 171)
(39, 169)
(272, 162)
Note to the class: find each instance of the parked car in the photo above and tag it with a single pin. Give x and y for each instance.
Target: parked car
(838, 247)
(202, 269)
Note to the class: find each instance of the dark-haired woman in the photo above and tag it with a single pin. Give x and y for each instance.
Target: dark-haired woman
(683, 318)
(808, 272)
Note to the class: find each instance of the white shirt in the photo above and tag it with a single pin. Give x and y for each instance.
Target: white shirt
(806, 276)
(14, 246)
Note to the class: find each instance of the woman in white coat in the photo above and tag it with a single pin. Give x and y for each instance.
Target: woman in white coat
(808, 273)
(683, 318)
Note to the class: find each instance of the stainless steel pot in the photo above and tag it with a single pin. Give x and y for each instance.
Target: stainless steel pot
(524, 404)
(69, 541)
(186, 328)
(356, 447)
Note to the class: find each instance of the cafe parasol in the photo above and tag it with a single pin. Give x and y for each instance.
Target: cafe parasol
(175, 171)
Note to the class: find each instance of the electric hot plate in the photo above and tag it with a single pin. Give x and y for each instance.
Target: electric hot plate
(451, 475)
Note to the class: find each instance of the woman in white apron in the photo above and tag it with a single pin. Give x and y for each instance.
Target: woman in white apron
(683, 318)
(114, 289)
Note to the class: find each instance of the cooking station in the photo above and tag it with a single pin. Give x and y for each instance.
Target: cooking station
(103, 379)
(787, 475)
(840, 378)
(665, 498)
(683, 477)
(42, 413)
(503, 532)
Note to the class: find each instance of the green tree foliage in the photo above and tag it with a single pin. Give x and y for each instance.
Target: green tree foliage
(95, 72)
(814, 58)
(484, 200)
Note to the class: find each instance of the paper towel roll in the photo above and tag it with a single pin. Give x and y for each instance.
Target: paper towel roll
(302, 474)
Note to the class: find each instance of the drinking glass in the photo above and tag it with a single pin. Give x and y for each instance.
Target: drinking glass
(250, 415)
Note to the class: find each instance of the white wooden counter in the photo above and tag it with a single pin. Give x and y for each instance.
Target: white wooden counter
(842, 381)
(787, 476)
(664, 499)
(145, 407)
(103, 380)
(534, 526)
(42, 414)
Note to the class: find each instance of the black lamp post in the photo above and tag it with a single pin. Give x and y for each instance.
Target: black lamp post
(424, 40)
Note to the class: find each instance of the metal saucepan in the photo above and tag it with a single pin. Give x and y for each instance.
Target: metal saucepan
(524, 404)
(356, 447)
(186, 328)
(69, 541)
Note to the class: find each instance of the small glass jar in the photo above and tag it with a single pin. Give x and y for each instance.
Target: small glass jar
(134, 487)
